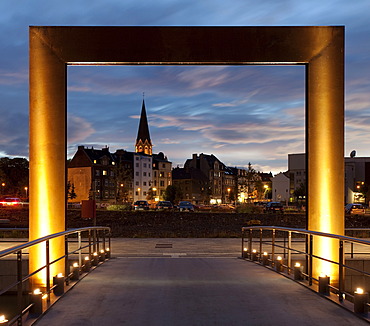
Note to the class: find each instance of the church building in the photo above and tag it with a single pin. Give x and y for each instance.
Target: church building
(122, 176)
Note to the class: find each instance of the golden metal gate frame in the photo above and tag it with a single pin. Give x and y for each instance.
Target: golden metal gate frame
(319, 48)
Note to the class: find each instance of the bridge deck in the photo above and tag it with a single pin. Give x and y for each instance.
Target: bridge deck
(189, 282)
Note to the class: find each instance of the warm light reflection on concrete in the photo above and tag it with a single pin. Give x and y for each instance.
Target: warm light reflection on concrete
(321, 49)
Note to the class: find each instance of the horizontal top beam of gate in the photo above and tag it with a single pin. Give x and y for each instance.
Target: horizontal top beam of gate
(188, 45)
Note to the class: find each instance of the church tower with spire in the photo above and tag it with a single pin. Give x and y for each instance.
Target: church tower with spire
(143, 142)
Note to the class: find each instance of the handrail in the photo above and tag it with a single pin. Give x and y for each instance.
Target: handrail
(14, 249)
(303, 231)
(308, 255)
(95, 256)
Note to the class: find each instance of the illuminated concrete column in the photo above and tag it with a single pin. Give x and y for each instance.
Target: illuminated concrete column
(325, 149)
(47, 152)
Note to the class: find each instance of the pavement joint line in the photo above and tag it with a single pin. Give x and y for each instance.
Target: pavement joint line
(174, 255)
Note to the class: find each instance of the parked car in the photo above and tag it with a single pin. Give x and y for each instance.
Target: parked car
(355, 209)
(141, 205)
(185, 206)
(164, 205)
(273, 207)
(10, 201)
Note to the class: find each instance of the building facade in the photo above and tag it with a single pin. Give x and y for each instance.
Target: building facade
(122, 176)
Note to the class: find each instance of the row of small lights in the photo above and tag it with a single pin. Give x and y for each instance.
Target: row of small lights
(58, 282)
(361, 297)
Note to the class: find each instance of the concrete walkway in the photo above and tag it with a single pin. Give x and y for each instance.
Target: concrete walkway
(196, 282)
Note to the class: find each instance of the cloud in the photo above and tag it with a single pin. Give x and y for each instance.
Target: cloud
(78, 129)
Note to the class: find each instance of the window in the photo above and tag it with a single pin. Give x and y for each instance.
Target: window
(161, 183)
(144, 165)
(137, 165)
(97, 173)
(137, 183)
(137, 173)
(148, 174)
(144, 193)
(94, 161)
(144, 183)
(104, 172)
(144, 174)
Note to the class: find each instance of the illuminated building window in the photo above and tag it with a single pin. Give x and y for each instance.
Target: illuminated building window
(94, 161)
(104, 172)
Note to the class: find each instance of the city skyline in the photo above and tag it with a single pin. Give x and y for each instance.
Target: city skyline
(240, 114)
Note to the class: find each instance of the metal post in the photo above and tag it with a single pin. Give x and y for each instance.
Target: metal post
(310, 260)
(66, 261)
(341, 270)
(79, 249)
(97, 241)
(284, 246)
(261, 253)
(242, 255)
(273, 246)
(289, 251)
(250, 241)
(90, 254)
(19, 287)
(48, 270)
(351, 249)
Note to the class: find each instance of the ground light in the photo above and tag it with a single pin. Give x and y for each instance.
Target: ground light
(324, 284)
(3, 320)
(360, 300)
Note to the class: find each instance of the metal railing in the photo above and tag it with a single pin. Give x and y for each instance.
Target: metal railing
(95, 242)
(264, 244)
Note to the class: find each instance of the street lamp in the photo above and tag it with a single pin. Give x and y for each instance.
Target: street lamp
(26, 189)
(228, 194)
(2, 187)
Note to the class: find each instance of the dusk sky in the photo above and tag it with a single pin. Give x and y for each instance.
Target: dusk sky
(240, 114)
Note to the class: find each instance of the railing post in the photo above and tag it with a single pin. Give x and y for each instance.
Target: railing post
(341, 270)
(97, 241)
(273, 246)
(261, 253)
(79, 249)
(351, 249)
(250, 241)
(19, 287)
(242, 255)
(110, 247)
(90, 254)
(310, 258)
(47, 244)
(66, 260)
(284, 245)
(289, 251)
(94, 241)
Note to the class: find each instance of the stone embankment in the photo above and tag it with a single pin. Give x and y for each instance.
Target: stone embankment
(175, 224)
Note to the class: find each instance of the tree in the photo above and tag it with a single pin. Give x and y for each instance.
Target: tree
(124, 181)
(172, 194)
(14, 174)
(71, 194)
(300, 192)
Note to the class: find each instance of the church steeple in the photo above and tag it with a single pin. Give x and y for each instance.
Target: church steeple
(143, 142)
